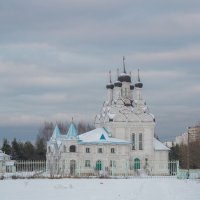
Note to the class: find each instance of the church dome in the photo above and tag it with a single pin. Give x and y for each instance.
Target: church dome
(124, 78)
(110, 86)
(131, 87)
(118, 84)
(139, 85)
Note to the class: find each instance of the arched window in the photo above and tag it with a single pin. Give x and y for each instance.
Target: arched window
(64, 149)
(98, 165)
(56, 164)
(49, 149)
(72, 167)
(112, 150)
(140, 141)
(100, 150)
(72, 148)
(137, 163)
(133, 141)
(87, 163)
(112, 163)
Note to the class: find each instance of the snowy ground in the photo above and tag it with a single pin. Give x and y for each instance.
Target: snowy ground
(100, 189)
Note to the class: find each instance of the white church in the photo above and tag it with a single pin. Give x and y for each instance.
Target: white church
(123, 141)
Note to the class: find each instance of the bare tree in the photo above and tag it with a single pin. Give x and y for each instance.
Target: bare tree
(46, 130)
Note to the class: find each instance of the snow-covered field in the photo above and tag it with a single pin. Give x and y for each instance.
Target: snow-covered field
(100, 189)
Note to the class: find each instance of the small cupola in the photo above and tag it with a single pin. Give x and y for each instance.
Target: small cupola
(132, 87)
(110, 85)
(118, 83)
(139, 84)
(124, 77)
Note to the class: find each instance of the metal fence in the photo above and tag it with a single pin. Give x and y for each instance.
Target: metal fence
(191, 174)
(57, 169)
(25, 169)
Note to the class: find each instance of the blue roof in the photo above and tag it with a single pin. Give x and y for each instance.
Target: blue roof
(56, 132)
(72, 132)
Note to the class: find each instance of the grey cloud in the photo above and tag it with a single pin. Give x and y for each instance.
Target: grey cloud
(55, 55)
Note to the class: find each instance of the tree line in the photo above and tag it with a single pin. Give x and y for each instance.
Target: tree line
(24, 150)
(19, 150)
(188, 154)
(181, 153)
(28, 151)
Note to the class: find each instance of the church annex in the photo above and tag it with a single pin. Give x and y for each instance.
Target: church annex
(123, 141)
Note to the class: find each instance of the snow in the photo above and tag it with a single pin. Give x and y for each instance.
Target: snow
(98, 189)
(111, 116)
(10, 163)
(4, 156)
(94, 136)
(159, 146)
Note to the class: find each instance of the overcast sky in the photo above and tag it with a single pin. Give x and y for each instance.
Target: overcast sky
(55, 57)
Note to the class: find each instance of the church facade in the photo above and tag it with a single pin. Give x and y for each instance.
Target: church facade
(123, 141)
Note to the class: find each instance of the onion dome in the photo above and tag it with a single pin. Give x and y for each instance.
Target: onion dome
(118, 84)
(139, 84)
(124, 77)
(131, 87)
(110, 85)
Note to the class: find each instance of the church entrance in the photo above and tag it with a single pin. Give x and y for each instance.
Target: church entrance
(137, 163)
(98, 165)
(72, 167)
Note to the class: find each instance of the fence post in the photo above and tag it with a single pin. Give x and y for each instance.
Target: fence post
(126, 169)
(79, 169)
(112, 168)
(177, 169)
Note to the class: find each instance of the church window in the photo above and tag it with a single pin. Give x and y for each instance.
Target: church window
(98, 165)
(87, 150)
(133, 141)
(72, 167)
(140, 141)
(146, 163)
(137, 163)
(112, 150)
(87, 163)
(7, 168)
(100, 150)
(56, 164)
(112, 163)
(72, 148)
